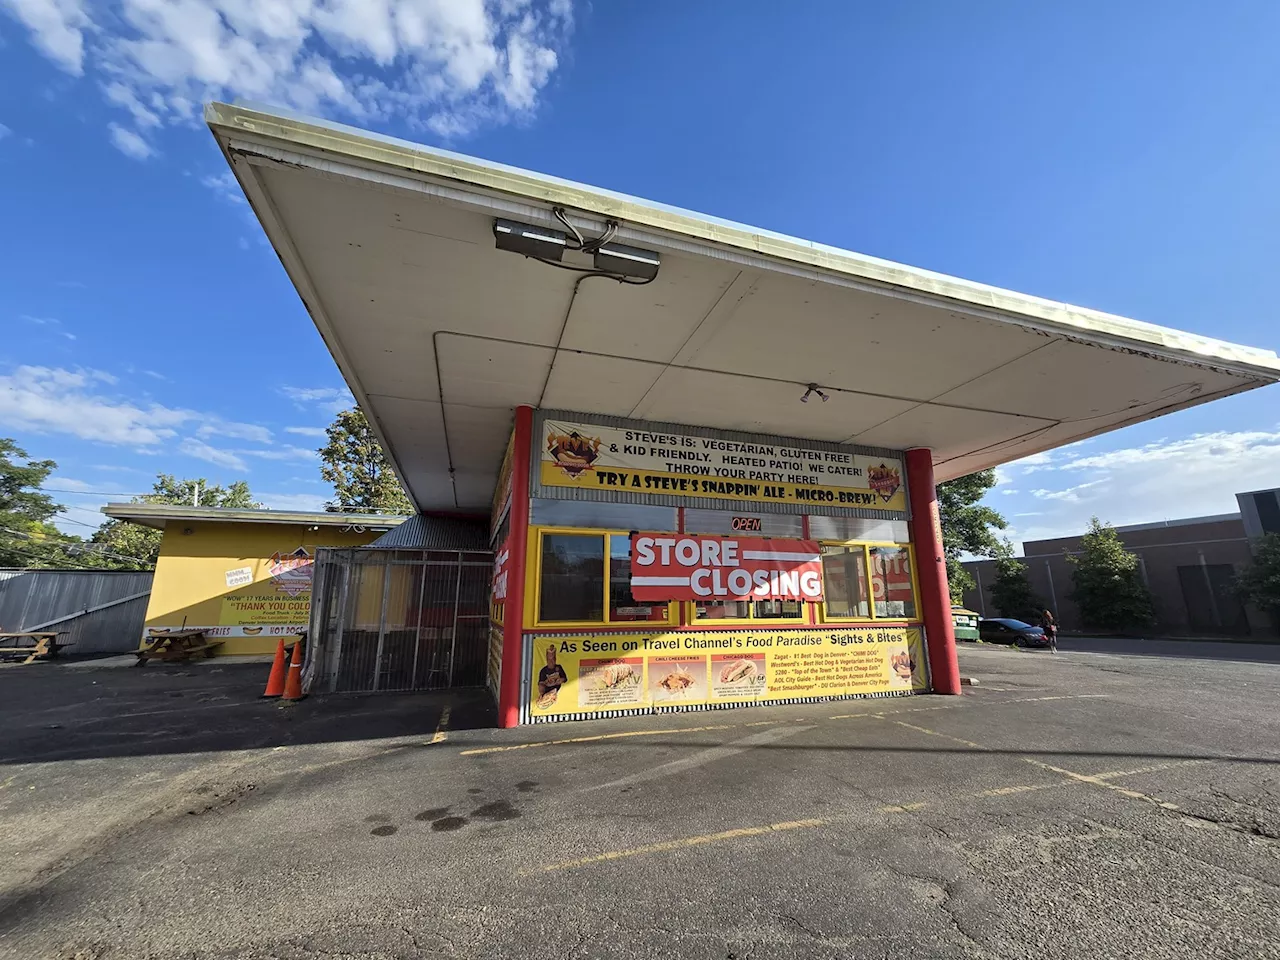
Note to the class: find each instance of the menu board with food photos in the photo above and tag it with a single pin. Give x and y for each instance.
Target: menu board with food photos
(586, 673)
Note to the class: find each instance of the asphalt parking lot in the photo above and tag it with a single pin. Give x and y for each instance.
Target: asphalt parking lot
(1091, 804)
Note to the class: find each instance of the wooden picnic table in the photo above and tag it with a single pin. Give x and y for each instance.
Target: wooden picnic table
(175, 645)
(34, 645)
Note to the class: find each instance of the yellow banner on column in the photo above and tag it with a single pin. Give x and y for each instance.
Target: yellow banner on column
(590, 673)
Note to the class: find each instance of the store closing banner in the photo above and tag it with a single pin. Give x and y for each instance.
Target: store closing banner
(674, 567)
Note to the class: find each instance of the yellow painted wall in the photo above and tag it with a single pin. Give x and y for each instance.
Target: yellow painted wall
(191, 580)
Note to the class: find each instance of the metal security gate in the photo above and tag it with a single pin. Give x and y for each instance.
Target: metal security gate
(389, 620)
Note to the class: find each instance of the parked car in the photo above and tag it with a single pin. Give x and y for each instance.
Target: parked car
(1014, 632)
(965, 623)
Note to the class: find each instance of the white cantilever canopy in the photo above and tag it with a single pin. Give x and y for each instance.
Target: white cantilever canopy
(440, 335)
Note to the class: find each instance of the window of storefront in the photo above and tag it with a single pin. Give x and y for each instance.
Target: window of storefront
(868, 582)
(844, 576)
(892, 582)
(576, 585)
(584, 577)
(747, 610)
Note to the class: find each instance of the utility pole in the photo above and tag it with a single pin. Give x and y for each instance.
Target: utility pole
(195, 496)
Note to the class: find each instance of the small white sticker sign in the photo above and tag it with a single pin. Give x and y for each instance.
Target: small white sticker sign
(240, 577)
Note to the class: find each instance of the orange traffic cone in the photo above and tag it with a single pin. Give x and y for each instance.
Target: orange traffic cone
(279, 666)
(293, 681)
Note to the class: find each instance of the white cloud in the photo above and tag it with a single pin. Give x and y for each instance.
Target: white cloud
(225, 186)
(202, 451)
(56, 400)
(451, 67)
(156, 376)
(63, 484)
(41, 321)
(306, 431)
(282, 453)
(236, 431)
(58, 29)
(1037, 461)
(4, 131)
(1167, 479)
(291, 501)
(330, 399)
(118, 468)
(129, 143)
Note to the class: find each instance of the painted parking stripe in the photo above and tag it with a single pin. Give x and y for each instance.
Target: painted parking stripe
(703, 757)
(683, 843)
(593, 739)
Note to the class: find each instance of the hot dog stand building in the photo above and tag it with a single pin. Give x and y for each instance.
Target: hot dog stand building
(705, 453)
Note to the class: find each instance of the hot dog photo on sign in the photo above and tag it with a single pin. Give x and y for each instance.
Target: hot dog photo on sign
(738, 676)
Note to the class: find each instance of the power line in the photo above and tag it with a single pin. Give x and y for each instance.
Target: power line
(67, 519)
(95, 493)
(35, 556)
(75, 548)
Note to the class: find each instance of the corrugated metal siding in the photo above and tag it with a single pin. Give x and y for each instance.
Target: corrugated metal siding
(436, 533)
(706, 503)
(31, 598)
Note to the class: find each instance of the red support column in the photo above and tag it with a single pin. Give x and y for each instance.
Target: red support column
(931, 569)
(518, 541)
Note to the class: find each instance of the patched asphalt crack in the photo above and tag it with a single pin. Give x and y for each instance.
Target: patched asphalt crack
(1254, 829)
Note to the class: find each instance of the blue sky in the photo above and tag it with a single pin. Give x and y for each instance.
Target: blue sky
(1118, 156)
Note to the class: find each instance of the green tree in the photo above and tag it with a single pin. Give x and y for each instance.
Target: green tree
(132, 543)
(1011, 591)
(354, 463)
(968, 526)
(1108, 586)
(1259, 582)
(28, 537)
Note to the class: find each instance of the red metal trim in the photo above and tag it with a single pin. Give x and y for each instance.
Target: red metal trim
(682, 609)
(931, 572)
(811, 609)
(518, 539)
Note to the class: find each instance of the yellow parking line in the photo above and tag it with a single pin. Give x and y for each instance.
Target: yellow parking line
(680, 844)
(1112, 774)
(1023, 788)
(1099, 782)
(442, 728)
(935, 733)
(599, 736)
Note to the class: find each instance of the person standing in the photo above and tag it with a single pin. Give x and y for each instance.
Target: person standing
(1050, 628)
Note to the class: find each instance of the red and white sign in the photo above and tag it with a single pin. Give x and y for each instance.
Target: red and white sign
(667, 566)
(501, 570)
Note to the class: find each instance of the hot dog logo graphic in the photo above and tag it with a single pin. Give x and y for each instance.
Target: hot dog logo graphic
(573, 453)
(884, 480)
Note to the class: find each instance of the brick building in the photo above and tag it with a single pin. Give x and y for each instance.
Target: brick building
(1188, 565)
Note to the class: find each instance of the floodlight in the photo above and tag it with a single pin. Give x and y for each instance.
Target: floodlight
(628, 261)
(540, 242)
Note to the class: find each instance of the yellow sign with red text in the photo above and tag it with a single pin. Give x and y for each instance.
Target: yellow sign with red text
(623, 460)
(588, 673)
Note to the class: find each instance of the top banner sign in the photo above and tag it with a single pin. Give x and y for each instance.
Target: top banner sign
(671, 464)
